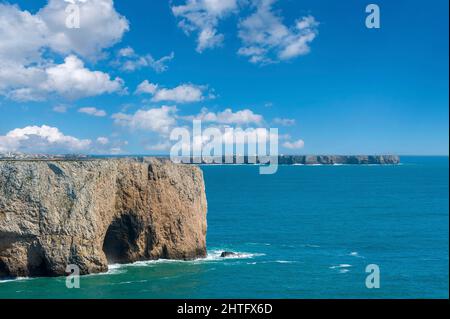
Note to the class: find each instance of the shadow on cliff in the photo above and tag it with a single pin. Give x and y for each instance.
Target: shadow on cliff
(121, 240)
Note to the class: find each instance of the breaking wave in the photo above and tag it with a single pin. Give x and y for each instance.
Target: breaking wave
(212, 256)
(15, 279)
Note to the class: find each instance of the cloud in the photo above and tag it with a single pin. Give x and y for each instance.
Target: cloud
(41, 139)
(22, 34)
(242, 117)
(146, 88)
(294, 144)
(160, 120)
(25, 95)
(128, 61)
(92, 111)
(248, 136)
(26, 74)
(127, 52)
(71, 79)
(161, 146)
(203, 16)
(101, 26)
(102, 140)
(184, 93)
(50, 140)
(25, 35)
(266, 39)
(60, 108)
(19, 82)
(283, 121)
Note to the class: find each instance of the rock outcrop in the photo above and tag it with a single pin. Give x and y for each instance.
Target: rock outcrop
(96, 212)
(225, 254)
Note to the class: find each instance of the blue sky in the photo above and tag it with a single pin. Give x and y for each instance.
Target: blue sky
(345, 89)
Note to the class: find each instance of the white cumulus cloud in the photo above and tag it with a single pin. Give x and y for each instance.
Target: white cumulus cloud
(26, 75)
(72, 80)
(146, 88)
(184, 93)
(41, 139)
(294, 144)
(241, 117)
(266, 39)
(102, 140)
(101, 26)
(160, 120)
(128, 61)
(203, 17)
(92, 111)
(24, 35)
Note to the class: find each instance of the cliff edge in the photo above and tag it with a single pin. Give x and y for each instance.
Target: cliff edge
(93, 213)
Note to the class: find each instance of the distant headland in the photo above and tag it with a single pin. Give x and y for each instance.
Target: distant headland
(282, 159)
(304, 160)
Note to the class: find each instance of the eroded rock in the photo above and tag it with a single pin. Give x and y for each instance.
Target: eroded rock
(94, 212)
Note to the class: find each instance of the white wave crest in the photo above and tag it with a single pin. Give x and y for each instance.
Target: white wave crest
(15, 279)
(340, 266)
(212, 256)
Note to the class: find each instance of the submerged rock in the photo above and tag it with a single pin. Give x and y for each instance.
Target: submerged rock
(94, 212)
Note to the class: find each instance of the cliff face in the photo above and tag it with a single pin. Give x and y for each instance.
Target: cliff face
(95, 212)
(307, 159)
(338, 159)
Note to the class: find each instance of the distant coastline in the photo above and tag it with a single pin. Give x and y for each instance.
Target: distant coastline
(316, 160)
(225, 160)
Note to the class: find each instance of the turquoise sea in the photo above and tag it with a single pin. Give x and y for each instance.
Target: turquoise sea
(305, 232)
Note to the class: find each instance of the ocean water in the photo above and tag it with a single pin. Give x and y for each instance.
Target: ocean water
(305, 232)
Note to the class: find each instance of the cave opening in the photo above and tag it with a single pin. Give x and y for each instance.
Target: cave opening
(121, 239)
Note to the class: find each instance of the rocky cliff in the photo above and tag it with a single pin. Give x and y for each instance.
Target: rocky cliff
(338, 159)
(96, 212)
(307, 159)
